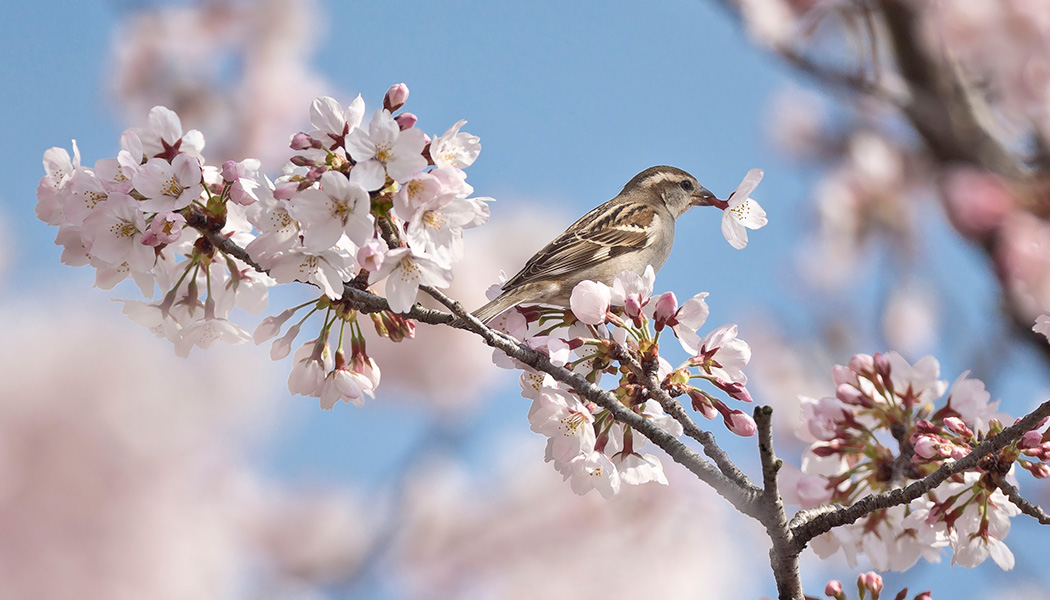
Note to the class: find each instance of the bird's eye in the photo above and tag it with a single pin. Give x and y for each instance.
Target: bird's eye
(686, 185)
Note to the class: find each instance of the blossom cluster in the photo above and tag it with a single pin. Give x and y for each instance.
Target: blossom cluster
(615, 330)
(889, 423)
(359, 202)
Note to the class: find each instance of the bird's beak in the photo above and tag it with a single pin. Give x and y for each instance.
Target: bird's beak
(703, 197)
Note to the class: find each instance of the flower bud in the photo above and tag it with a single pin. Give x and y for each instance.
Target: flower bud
(735, 390)
(232, 171)
(1030, 439)
(931, 446)
(870, 581)
(303, 141)
(924, 426)
(848, 394)
(740, 423)
(395, 97)
(956, 425)
(1040, 470)
(833, 589)
(924, 596)
(666, 307)
(882, 367)
(702, 404)
(406, 121)
(861, 364)
(271, 326)
(632, 308)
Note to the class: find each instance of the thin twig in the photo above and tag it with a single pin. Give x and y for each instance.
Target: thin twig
(1026, 506)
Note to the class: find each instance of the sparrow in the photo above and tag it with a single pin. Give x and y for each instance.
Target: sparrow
(633, 230)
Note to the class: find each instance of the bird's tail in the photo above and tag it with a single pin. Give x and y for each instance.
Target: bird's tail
(494, 308)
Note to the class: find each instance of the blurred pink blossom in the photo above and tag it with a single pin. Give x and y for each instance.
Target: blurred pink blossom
(529, 536)
(177, 56)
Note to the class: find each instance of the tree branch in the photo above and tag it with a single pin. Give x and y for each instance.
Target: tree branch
(1027, 507)
(677, 411)
(783, 556)
(808, 528)
(739, 496)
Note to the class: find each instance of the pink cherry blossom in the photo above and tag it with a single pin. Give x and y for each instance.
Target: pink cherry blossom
(114, 233)
(169, 186)
(165, 228)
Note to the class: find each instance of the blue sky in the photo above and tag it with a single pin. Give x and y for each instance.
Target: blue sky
(570, 100)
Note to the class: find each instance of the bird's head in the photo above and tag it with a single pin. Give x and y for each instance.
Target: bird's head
(677, 189)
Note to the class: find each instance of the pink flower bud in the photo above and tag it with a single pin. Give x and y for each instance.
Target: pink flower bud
(301, 141)
(1038, 470)
(735, 390)
(370, 256)
(1030, 439)
(924, 426)
(702, 404)
(861, 364)
(870, 581)
(406, 121)
(924, 596)
(395, 97)
(740, 423)
(956, 425)
(232, 170)
(833, 588)
(931, 446)
(852, 396)
(882, 366)
(632, 307)
(666, 307)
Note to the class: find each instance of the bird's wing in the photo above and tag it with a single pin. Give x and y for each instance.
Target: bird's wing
(606, 232)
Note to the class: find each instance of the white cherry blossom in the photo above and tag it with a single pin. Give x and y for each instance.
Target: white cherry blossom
(338, 207)
(743, 212)
(385, 150)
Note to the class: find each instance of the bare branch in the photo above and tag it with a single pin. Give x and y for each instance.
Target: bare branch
(1026, 506)
(783, 556)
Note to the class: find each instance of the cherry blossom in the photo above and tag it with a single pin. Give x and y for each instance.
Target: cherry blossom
(163, 136)
(742, 212)
(338, 207)
(385, 150)
(114, 232)
(455, 149)
(406, 269)
(169, 186)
